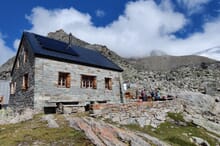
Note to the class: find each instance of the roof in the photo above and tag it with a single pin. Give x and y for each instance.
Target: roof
(53, 49)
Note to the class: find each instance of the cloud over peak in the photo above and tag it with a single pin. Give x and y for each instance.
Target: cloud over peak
(144, 26)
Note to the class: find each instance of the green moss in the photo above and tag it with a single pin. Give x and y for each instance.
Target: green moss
(178, 141)
(176, 116)
(175, 134)
(36, 130)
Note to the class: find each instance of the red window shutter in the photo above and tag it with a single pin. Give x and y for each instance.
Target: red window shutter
(11, 88)
(68, 81)
(94, 83)
(110, 84)
(23, 82)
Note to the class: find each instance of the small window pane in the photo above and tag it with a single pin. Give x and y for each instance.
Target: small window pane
(108, 83)
(64, 80)
(88, 81)
(25, 82)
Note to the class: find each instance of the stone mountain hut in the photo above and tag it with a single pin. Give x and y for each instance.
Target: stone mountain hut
(48, 73)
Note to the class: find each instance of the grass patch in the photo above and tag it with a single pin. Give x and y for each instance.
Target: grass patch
(36, 131)
(176, 116)
(178, 141)
(175, 134)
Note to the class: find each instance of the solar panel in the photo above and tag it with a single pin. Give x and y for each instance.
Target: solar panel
(55, 49)
(56, 46)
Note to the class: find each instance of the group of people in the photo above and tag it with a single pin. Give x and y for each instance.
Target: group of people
(144, 95)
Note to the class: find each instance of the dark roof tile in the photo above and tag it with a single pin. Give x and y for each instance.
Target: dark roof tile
(54, 49)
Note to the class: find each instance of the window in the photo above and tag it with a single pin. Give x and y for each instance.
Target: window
(25, 56)
(25, 82)
(108, 83)
(13, 88)
(88, 82)
(64, 80)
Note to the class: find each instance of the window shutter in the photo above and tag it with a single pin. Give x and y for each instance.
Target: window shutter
(94, 83)
(68, 81)
(25, 56)
(110, 84)
(81, 85)
(23, 82)
(17, 63)
(11, 87)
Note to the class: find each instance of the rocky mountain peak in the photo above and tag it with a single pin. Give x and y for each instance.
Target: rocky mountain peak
(5, 69)
(61, 35)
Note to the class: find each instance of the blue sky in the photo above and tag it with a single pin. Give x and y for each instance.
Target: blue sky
(132, 28)
(15, 22)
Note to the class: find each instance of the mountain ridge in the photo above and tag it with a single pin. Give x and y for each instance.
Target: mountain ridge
(167, 62)
(213, 52)
(159, 61)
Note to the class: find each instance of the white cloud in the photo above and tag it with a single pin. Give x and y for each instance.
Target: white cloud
(193, 3)
(144, 26)
(100, 13)
(16, 44)
(193, 6)
(44, 20)
(6, 52)
(199, 41)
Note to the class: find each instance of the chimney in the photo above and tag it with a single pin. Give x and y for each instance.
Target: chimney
(70, 40)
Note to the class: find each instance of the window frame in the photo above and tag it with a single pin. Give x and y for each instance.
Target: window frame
(108, 83)
(88, 81)
(25, 81)
(25, 55)
(12, 88)
(64, 80)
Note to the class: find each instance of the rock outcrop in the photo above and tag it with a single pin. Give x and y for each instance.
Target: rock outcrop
(203, 78)
(101, 133)
(7, 116)
(201, 109)
(50, 120)
(5, 69)
(140, 113)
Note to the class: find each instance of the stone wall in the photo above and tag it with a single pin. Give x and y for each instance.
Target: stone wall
(47, 90)
(142, 113)
(23, 98)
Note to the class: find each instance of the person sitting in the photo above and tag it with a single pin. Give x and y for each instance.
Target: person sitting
(143, 95)
(152, 94)
(157, 96)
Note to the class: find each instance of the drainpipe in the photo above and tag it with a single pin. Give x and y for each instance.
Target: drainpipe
(121, 90)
